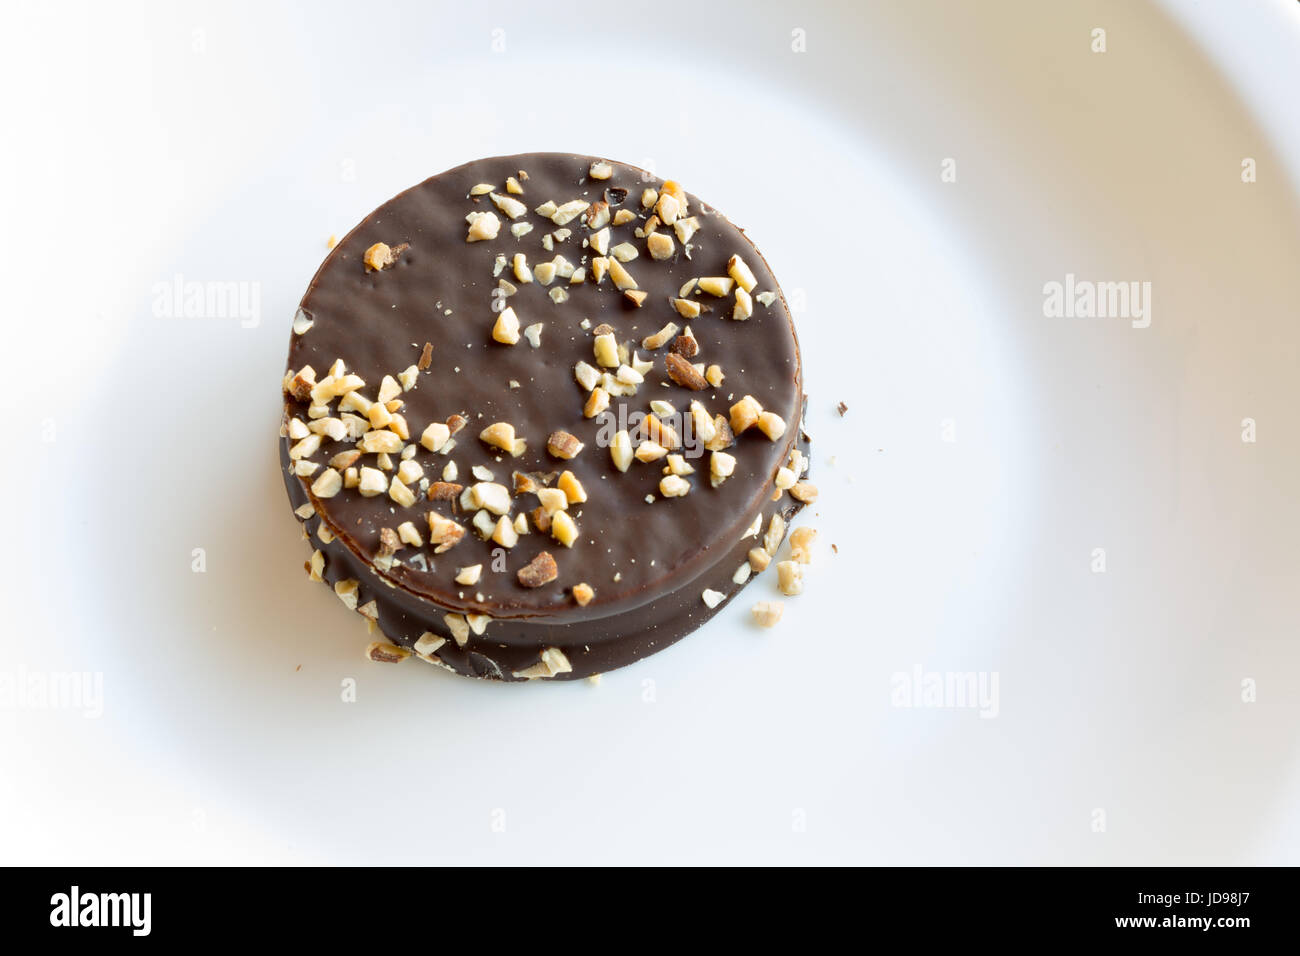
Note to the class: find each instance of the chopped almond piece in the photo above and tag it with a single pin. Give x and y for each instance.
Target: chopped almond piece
(561, 444)
(568, 483)
(381, 652)
(563, 529)
(660, 245)
(744, 276)
(745, 413)
(652, 342)
(443, 532)
(597, 402)
(767, 613)
(687, 308)
(717, 285)
(759, 559)
(426, 357)
(771, 424)
(539, 571)
(801, 540)
(506, 328)
(673, 486)
(583, 593)
(804, 491)
(789, 577)
(620, 450)
(684, 373)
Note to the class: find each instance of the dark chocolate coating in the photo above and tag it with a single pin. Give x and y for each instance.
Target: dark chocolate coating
(665, 553)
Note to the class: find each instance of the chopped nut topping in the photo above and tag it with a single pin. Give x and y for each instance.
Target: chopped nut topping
(744, 276)
(624, 252)
(767, 613)
(784, 478)
(482, 225)
(520, 266)
(600, 170)
(621, 277)
(539, 571)
(563, 445)
(372, 482)
(620, 450)
(381, 256)
(459, 628)
(541, 519)
(347, 592)
(568, 211)
(302, 383)
(801, 540)
(490, 495)
(789, 576)
(804, 491)
(685, 228)
(389, 543)
(661, 432)
(687, 308)
(435, 436)
(427, 643)
(717, 285)
(443, 532)
(513, 187)
(673, 486)
(583, 593)
(329, 484)
(552, 662)
(636, 296)
(606, 350)
(552, 499)
(660, 245)
(745, 413)
(649, 197)
(712, 598)
(597, 215)
(683, 373)
(744, 306)
(653, 342)
(623, 217)
(534, 335)
(375, 442)
(677, 465)
(713, 375)
(502, 435)
(775, 533)
(587, 376)
(668, 208)
(381, 652)
(568, 483)
(685, 345)
(504, 533)
(649, 451)
(563, 529)
(509, 205)
(772, 425)
(482, 189)
(597, 402)
(759, 558)
(403, 495)
(302, 323)
(316, 567)
(721, 465)
(305, 448)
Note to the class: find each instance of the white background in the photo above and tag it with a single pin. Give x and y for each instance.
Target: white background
(227, 142)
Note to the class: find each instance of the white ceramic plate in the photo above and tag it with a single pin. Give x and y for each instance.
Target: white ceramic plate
(988, 451)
